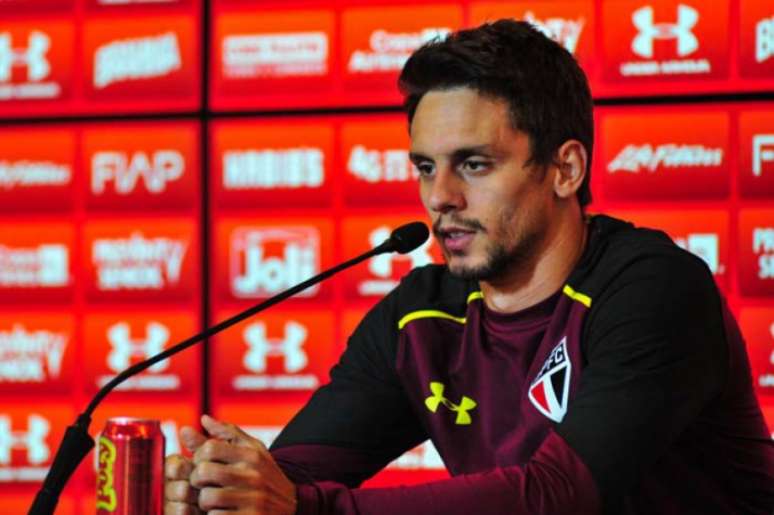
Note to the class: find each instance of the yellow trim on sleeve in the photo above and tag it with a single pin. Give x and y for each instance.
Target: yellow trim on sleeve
(574, 295)
(427, 313)
(475, 296)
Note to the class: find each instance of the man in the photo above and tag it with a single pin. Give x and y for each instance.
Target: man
(560, 363)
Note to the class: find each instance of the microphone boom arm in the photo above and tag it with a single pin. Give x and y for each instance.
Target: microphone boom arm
(77, 442)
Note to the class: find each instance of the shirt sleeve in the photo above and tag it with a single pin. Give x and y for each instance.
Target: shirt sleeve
(656, 357)
(361, 420)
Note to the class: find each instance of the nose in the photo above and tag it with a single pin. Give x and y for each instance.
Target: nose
(446, 192)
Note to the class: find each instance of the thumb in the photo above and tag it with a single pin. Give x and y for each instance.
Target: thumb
(191, 438)
(230, 432)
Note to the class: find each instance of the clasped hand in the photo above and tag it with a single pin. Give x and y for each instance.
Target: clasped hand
(230, 473)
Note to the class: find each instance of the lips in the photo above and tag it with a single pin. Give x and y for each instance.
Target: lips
(456, 239)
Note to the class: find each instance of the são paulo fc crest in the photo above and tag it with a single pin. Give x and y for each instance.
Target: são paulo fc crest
(550, 390)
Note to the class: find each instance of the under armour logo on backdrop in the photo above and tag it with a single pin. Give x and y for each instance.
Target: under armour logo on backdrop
(466, 404)
(687, 42)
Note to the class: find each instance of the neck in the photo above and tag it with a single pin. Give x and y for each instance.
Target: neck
(544, 273)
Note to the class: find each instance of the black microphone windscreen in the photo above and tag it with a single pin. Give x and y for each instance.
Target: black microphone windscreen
(407, 237)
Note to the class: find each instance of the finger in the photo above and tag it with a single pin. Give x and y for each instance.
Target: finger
(228, 431)
(191, 438)
(180, 491)
(222, 451)
(180, 508)
(177, 467)
(213, 498)
(209, 474)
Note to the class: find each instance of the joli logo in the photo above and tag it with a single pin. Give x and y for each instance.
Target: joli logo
(106, 491)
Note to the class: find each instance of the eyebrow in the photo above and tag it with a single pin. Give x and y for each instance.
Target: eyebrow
(457, 155)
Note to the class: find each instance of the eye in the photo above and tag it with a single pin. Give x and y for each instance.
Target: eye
(474, 165)
(425, 168)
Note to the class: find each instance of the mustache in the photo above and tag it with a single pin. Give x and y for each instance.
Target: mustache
(472, 224)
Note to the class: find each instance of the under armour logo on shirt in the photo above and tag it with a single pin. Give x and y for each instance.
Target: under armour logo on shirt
(466, 404)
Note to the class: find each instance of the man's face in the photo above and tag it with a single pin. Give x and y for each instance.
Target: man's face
(490, 213)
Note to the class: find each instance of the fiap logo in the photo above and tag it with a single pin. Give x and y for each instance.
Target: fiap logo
(35, 60)
(665, 155)
(141, 167)
(667, 38)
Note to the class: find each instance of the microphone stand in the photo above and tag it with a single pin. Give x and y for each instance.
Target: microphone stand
(77, 442)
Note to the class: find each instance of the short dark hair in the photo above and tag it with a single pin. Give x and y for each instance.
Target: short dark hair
(546, 89)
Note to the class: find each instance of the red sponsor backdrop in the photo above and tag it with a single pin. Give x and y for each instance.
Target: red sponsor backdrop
(104, 248)
(122, 56)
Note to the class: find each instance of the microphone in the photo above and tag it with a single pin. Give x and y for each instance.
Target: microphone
(77, 443)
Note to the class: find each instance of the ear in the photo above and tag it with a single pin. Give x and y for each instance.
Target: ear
(571, 159)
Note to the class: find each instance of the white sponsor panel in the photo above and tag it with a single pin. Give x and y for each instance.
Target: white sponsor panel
(126, 349)
(31, 174)
(762, 153)
(253, 273)
(137, 262)
(706, 246)
(764, 40)
(763, 247)
(289, 347)
(154, 169)
(266, 169)
(41, 266)
(136, 59)
(381, 267)
(380, 166)
(389, 51)
(564, 31)
(31, 440)
(33, 57)
(31, 356)
(681, 31)
(637, 158)
(275, 55)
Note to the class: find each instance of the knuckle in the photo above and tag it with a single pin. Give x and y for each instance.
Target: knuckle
(176, 490)
(210, 498)
(178, 508)
(208, 450)
(176, 467)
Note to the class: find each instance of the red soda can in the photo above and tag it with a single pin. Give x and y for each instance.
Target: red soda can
(130, 477)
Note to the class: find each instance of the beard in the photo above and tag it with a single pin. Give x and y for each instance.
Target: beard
(500, 257)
